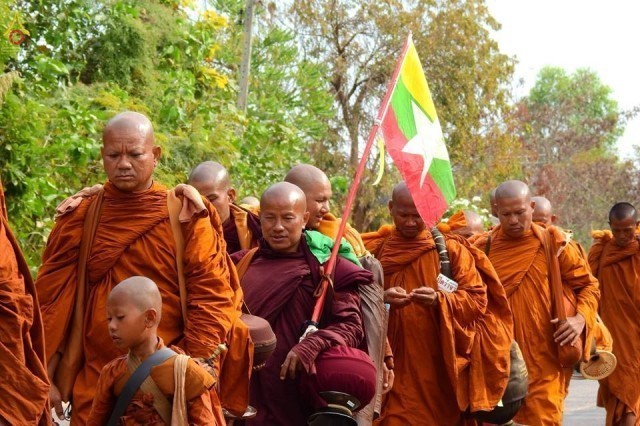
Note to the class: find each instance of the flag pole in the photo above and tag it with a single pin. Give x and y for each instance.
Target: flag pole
(382, 111)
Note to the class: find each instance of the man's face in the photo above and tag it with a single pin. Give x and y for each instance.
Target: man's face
(126, 322)
(406, 218)
(219, 194)
(623, 230)
(282, 220)
(129, 159)
(515, 215)
(318, 195)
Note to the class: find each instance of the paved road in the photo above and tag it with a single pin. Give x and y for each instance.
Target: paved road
(580, 406)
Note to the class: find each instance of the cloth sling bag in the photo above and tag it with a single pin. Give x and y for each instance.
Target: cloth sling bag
(72, 357)
(135, 381)
(563, 306)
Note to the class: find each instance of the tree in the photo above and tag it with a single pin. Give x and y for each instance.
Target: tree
(568, 125)
(87, 61)
(469, 78)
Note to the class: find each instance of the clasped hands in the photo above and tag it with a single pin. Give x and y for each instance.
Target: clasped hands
(569, 331)
(398, 296)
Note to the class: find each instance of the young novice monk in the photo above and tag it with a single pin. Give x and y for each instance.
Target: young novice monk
(133, 314)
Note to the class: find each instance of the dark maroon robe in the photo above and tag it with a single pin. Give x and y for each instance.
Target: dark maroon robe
(279, 288)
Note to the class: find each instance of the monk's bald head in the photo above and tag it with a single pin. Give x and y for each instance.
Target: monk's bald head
(514, 208)
(250, 201)
(474, 223)
(129, 154)
(317, 188)
(130, 122)
(283, 214)
(140, 291)
(543, 211)
(406, 218)
(623, 221)
(213, 182)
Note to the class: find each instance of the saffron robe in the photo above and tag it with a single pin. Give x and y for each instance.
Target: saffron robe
(141, 410)
(24, 387)
(241, 230)
(286, 300)
(134, 237)
(431, 345)
(618, 271)
(521, 265)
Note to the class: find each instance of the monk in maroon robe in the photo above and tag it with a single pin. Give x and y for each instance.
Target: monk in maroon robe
(278, 286)
(240, 226)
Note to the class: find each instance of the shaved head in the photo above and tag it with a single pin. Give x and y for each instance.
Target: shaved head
(623, 221)
(250, 201)
(129, 154)
(406, 218)
(514, 208)
(212, 181)
(474, 223)
(283, 214)
(210, 171)
(623, 210)
(132, 122)
(141, 291)
(543, 211)
(317, 188)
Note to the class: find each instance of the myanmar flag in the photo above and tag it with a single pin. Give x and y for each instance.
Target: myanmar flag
(413, 136)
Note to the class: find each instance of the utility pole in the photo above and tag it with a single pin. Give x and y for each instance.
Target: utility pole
(245, 65)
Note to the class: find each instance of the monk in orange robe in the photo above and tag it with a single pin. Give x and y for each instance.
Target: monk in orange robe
(430, 331)
(615, 261)
(24, 386)
(176, 391)
(515, 249)
(464, 223)
(543, 215)
(241, 227)
(317, 188)
(132, 236)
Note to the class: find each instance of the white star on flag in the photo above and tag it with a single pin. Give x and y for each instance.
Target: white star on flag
(428, 142)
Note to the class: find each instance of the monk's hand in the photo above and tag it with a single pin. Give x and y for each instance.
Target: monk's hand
(396, 296)
(387, 378)
(290, 366)
(569, 331)
(56, 401)
(191, 194)
(424, 295)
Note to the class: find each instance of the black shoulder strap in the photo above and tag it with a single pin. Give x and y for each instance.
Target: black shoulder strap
(441, 246)
(135, 381)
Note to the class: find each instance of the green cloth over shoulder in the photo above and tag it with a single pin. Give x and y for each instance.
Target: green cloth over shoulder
(321, 246)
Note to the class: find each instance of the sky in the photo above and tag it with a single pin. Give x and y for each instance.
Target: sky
(571, 34)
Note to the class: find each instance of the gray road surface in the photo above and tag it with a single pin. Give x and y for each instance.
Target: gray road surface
(580, 406)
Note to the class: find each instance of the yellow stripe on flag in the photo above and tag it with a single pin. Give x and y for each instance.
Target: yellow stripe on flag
(414, 80)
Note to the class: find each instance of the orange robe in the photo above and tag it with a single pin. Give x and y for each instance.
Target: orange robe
(134, 237)
(618, 270)
(141, 410)
(241, 230)
(431, 345)
(24, 386)
(522, 267)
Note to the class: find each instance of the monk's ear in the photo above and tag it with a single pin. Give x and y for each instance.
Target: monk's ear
(232, 195)
(150, 318)
(157, 151)
(554, 218)
(390, 206)
(305, 218)
(533, 204)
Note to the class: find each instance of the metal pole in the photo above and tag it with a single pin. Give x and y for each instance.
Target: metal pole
(245, 65)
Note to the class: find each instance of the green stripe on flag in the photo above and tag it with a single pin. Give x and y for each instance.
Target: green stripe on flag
(440, 171)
